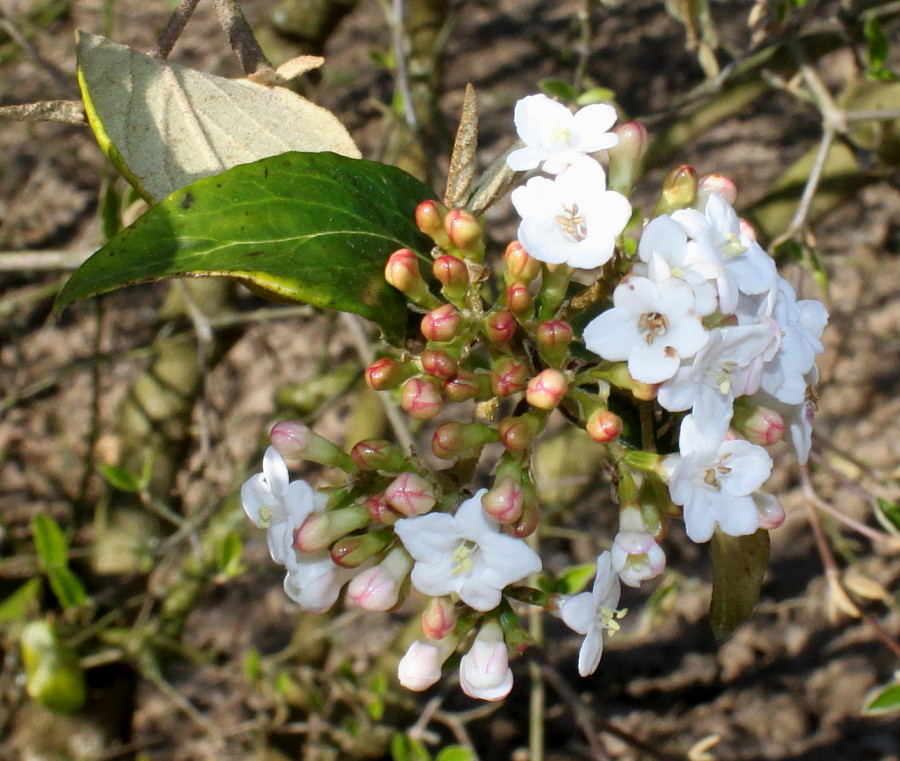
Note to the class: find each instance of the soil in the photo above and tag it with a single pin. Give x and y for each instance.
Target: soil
(789, 685)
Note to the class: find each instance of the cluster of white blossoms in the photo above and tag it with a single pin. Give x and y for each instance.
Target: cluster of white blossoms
(699, 317)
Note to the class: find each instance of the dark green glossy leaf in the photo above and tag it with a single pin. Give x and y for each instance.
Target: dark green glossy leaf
(739, 564)
(50, 542)
(885, 700)
(312, 227)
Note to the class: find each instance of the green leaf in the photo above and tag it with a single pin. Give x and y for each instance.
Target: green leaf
(739, 564)
(878, 48)
(164, 125)
(22, 603)
(121, 478)
(885, 700)
(455, 753)
(50, 542)
(313, 227)
(595, 95)
(67, 587)
(228, 555)
(406, 748)
(888, 514)
(573, 580)
(53, 676)
(559, 89)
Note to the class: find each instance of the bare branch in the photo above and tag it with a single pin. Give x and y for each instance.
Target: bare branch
(174, 28)
(64, 111)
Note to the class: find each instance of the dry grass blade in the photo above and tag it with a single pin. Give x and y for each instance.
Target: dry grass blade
(463, 160)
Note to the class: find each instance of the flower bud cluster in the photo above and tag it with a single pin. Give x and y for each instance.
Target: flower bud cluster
(692, 332)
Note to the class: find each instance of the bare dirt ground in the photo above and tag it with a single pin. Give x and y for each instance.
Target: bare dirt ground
(790, 683)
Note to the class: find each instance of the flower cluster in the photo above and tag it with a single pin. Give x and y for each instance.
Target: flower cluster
(693, 332)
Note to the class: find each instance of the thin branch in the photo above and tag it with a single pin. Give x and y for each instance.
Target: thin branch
(396, 21)
(584, 44)
(62, 111)
(177, 22)
(241, 38)
(49, 259)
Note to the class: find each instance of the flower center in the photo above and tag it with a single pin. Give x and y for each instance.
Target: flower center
(606, 617)
(571, 223)
(717, 471)
(561, 136)
(653, 325)
(464, 557)
(723, 375)
(733, 246)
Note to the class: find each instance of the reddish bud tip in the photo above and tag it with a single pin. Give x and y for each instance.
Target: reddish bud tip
(438, 364)
(604, 426)
(466, 385)
(547, 389)
(380, 511)
(291, 438)
(505, 502)
(410, 494)
(452, 439)
(377, 454)
(451, 272)
(520, 265)
(441, 324)
(500, 327)
(430, 220)
(517, 433)
(385, 373)
(464, 231)
(508, 376)
(527, 523)
(679, 190)
(748, 230)
(438, 618)
(421, 398)
(519, 299)
(717, 185)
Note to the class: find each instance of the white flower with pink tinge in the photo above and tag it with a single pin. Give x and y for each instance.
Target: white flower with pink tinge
(572, 219)
(715, 480)
(652, 325)
(314, 580)
(593, 613)
(465, 554)
(555, 136)
(636, 555)
(484, 671)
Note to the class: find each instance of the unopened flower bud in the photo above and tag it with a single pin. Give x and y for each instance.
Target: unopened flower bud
(465, 233)
(547, 389)
(619, 376)
(500, 327)
(519, 299)
(377, 454)
(296, 441)
(716, 185)
(452, 273)
(625, 158)
(771, 513)
(386, 373)
(520, 265)
(402, 272)
(528, 522)
(439, 617)
(441, 324)
(321, 530)
(421, 398)
(438, 364)
(454, 439)
(678, 191)
(553, 340)
(505, 501)
(430, 220)
(380, 511)
(517, 433)
(748, 229)
(508, 376)
(759, 425)
(420, 668)
(604, 426)
(410, 494)
(467, 385)
(484, 671)
(378, 588)
(353, 551)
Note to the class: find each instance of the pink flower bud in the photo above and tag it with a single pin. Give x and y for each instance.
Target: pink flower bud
(430, 220)
(748, 229)
(386, 373)
(438, 618)
(454, 439)
(717, 185)
(771, 513)
(438, 364)
(500, 327)
(465, 385)
(547, 389)
(553, 339)
(464, 232)
(604, 426)
(452, 273)
(421, 398)
(402, 272)
(380, 511)
(377, 454)
(759, 425)
(441, 324)
(320, 530)
(484, 671)
(508, 376)
(410, 494)
(290, 438)
(505, 502)
(625, 158)
(378, 588)
(519, 299)
(420, 668)
(528, 522)
(520, 265)
(517, 433)
(353, 551)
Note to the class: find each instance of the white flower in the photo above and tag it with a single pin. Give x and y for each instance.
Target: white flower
(314, 580)
(465, 554)
(637, 557)
(278, 506)
(710, 382)
(652, 325)
(556, 136)
(420, 667)
(715, 479)
(484, 671)
(573, 219)
(798, 418)
(592, 613)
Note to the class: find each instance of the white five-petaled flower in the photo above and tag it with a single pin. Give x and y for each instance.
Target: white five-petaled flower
(715, 479)
(652, 325)
(718, 374)
(592, 613)
(572, 219)
(465, 554)
(555, 136)
(314, 580)
(484, 671)
(280, 506)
